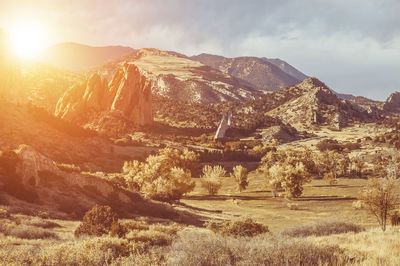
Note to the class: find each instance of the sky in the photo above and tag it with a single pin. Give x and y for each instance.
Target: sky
(353, 46)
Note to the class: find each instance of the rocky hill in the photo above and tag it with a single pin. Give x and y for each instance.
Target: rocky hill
(313, 102)
(260, 73)
(109, 108)
(180, 78)
(392, 104)
(78, 57)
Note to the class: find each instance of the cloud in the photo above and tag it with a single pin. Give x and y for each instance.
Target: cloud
(352, 45)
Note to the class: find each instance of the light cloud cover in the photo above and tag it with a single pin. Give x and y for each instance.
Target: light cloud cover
(353, 46)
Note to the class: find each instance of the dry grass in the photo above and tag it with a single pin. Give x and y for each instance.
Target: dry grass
(374, 247)
(216, 250)
(323, 228)
(25, 227)
(318, 202)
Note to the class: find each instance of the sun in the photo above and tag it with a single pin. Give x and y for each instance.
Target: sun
(27, 39)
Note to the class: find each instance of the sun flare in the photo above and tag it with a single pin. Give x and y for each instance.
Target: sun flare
(27, 39)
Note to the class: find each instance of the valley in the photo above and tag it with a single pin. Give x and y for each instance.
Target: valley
(113, 158)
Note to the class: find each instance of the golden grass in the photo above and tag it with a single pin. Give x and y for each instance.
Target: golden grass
(373, 246)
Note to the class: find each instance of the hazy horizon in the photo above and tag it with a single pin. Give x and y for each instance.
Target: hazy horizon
(352, 46)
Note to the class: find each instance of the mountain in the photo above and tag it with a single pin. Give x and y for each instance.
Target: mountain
(314, 103)
(109, 108)
(78, 57)
(178, 77)
(260, 73)
(287, 68)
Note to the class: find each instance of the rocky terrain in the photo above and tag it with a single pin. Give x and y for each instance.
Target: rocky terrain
(317, 104)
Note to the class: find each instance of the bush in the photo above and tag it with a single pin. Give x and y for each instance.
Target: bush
(211, 180)
(323, 228)
(238, 228)
(97, 221)
(4, 214)
(329, 145)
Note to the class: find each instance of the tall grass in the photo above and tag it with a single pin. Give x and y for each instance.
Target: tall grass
(323, 228)
(194, 248)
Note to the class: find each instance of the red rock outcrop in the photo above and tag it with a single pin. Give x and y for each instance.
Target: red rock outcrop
(127, 98)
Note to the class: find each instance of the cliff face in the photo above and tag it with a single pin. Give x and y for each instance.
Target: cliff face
(130, 92)
(96, 104)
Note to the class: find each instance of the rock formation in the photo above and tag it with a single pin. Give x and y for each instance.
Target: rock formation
(392, 104)
(31, 163)
(223, 127)
(127, 97)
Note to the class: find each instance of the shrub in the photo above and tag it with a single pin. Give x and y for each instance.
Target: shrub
(97, 221)
(329, 145)
(238, 228)
(4, 214)
(240, 174)
(211, 180)
(323, 228)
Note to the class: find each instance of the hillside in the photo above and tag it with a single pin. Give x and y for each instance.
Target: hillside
(78, 57)
(261, 73)
(316, 104)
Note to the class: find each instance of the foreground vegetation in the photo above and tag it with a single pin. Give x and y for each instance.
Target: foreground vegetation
(149, 243)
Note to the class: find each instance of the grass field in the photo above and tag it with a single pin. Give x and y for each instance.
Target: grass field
(318, 202)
